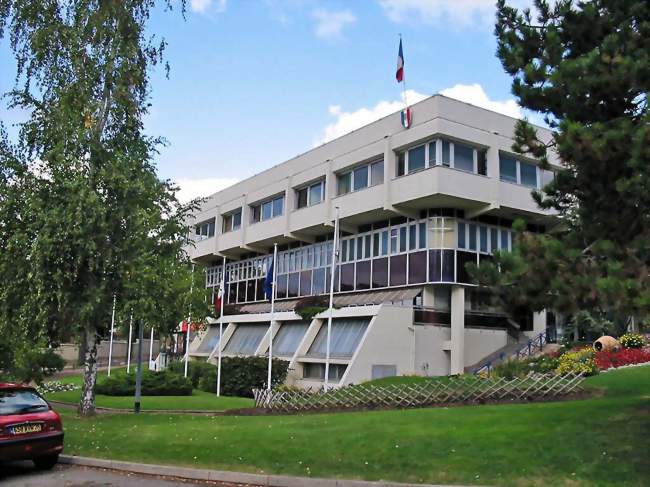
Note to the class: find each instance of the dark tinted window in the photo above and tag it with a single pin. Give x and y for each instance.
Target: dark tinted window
(363, 275)
(380, 273)
(398, 270)
(21, 401)
(417, 267)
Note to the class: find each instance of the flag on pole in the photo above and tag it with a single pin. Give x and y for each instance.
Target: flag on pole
(268, 282)
(399, 75)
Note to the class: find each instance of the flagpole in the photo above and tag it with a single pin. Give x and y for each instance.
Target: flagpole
(189, 325)
(275, 270)
(110, 346)
(128, 352)
(403, 77)
(151, 348)
(223, 298)
(329, 316)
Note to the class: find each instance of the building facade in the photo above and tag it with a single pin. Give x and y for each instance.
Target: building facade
(415, 206)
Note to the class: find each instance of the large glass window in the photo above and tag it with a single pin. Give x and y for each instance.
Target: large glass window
(528, 174)
(246, 338)
(288, 337)
(344, 183)
(360, 178)
(345, 336)
(416, 158)
(377, 173)
(232, 221)
(316, 193)
(463, 157)
(508, 169)
(210, 340)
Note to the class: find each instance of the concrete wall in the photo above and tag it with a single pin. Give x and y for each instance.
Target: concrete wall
(70, 351)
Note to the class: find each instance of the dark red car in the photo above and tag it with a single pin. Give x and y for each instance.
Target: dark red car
(29, 428)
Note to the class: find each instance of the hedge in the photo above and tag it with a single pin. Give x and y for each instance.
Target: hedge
(164, 383)
(239, 375)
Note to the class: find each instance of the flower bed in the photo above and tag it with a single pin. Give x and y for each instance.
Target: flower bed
(56, 386)
(626, 356)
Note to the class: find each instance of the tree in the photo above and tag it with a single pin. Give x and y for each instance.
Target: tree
(586, 67)
(83, 214)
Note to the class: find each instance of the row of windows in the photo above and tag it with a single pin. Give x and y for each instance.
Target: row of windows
(231, 221)
(525, 173)
(310, 195)
(484, 238)
(425, 266)
(268, 209)
(441, 152)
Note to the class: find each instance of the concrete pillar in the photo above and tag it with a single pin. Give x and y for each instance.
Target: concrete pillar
(457, 353)
(539, 322)
(428, 296)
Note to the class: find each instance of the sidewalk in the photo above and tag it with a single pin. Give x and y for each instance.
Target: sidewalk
(230, 477)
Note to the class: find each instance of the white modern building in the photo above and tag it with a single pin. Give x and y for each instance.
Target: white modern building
(415, 206)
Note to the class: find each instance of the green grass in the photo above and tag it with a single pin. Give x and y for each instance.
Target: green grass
(199, 400)
(599, 441)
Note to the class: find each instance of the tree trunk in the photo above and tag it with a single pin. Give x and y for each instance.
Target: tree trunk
(87, 402)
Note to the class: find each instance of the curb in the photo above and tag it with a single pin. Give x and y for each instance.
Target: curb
(226, 476)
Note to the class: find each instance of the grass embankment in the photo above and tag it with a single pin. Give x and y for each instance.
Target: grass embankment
(199, 400)
(599, 441)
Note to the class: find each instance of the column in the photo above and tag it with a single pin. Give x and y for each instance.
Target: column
(457, 365)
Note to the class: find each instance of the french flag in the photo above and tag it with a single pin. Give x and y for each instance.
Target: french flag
(399, 75)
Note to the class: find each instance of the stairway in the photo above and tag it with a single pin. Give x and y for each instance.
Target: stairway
(499, 355)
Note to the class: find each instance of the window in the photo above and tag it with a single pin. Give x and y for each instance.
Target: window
(231, 221)
(464, 157)
(210, 340)
(344, 339)
(361, 177)
(311, 195)
(246, 339)
(515, 171)
(267, 209)
(204, 230)
(17, 401)
(528, 174)
(317, 371)
(416, 158)
(442, 152)
(288, 337)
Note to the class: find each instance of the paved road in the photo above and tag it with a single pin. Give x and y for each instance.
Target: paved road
(23, 474)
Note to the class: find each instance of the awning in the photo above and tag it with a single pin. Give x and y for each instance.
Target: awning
(392, 296)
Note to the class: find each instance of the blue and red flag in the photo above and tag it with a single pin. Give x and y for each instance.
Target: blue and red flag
(268, 282)
(399, 75)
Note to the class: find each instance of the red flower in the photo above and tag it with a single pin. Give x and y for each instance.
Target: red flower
(625, 356)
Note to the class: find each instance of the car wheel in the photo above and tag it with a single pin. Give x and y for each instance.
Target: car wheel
(46, 463)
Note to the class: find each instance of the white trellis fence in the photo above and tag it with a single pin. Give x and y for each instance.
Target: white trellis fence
(464, 389)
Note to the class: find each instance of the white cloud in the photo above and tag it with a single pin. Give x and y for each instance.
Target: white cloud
(202, 6)
(346, 122)
(462, 12)
(195, 188)
(476, 95)
(330, 24)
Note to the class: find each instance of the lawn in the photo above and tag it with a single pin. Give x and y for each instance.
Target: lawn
(199, 400)
(599, 441)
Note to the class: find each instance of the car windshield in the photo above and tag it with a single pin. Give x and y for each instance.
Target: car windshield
(17, 401)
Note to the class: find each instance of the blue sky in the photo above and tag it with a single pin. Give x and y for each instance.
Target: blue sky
(253, 83)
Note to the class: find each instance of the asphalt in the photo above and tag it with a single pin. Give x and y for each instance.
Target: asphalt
(23, 474)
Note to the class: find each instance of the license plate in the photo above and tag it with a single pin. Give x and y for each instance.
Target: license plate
(23, 429)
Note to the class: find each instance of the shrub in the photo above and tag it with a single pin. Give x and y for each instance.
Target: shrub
(519, 368)
(196, 369)
(579, 361)
(240, 375)
(310, 306)
(164, 383)
(627, 356)
(632, 340)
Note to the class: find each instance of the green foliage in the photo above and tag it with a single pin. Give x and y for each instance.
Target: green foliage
(519, 368)
(586, 67)
(164, 383)
(83, 214)
(581, 361)
(239, 375)
(33, 365)
(310, 306)
(632, 340)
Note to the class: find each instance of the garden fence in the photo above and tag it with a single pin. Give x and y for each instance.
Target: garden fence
(454, 390)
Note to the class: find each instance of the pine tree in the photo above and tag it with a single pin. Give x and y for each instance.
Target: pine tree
(586, 67)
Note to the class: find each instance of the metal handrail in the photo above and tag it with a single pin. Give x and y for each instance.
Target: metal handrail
(538, 341)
